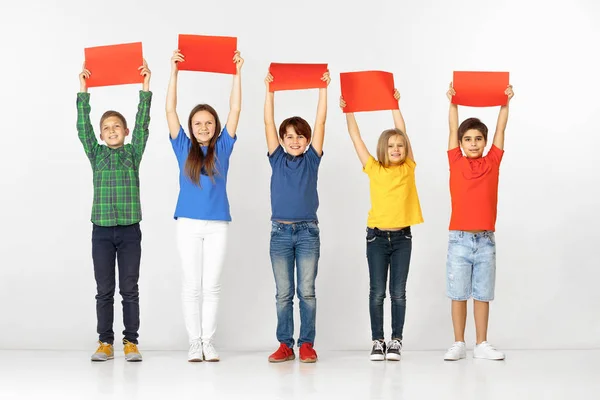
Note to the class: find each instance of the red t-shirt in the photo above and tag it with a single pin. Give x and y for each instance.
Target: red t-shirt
(474, 190)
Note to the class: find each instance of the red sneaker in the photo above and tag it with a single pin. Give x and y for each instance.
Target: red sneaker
(283, 353)
(307, 353)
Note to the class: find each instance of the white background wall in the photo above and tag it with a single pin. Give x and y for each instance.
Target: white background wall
(548, 216)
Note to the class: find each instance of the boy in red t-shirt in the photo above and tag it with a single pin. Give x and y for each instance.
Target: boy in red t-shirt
(471, 261)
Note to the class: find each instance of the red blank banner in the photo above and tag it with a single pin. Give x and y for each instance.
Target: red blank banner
(208, 53)
(480, 89)
(368, 91)
(297, 76)
(114, 64)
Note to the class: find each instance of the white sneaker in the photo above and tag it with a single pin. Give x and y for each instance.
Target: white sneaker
(210, 354)
(195, 352)
(456, 352)
(487, 351)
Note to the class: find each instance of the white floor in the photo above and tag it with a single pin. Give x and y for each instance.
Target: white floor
(337, 375)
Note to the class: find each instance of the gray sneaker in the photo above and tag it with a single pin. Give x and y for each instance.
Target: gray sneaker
(104, 352)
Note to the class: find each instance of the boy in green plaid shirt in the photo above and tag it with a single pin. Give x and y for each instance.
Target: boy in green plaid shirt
(116, 213)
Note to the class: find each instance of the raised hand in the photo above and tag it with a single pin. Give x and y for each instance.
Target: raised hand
(451, 92)
(342, 103)
(83, 76)
(145, 72)
(509, 92)
(177, 58)
(396, 94)
(268, 80)
(238, 60)
(326, 78)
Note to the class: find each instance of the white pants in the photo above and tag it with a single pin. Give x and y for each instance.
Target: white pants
(202, 247)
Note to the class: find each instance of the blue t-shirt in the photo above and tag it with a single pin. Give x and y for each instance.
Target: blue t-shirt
(294, 194)
(209, 200)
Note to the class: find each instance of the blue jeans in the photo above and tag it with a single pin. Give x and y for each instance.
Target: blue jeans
(298, 244)
(471, 266)
(120, 243)
(388, 250)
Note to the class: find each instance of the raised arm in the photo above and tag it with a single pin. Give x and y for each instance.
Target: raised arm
(142, 118)
(359, 145)
(502, 120)
(171, 106)
(399, 124)
(452, 120)
(270, 128)
(85, 130)
(235, 100)
(319, 131)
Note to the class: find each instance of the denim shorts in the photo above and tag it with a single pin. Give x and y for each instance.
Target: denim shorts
(471, 266)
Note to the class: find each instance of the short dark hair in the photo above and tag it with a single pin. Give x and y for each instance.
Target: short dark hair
(472, 123)
(112, 113)
(300, 125)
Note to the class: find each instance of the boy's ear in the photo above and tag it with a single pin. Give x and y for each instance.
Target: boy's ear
(127, 132)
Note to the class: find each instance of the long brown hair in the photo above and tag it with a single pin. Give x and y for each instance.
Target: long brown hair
(382, 145)
(197, 163)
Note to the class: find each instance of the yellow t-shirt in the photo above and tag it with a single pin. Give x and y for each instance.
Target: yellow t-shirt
(394, 198)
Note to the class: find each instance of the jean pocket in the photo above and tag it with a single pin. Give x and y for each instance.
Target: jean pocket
(314, 231)
(491, 239)
(371, 237)
(453, 237)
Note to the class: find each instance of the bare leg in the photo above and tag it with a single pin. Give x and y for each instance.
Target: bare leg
(459, 319)
(481, 309)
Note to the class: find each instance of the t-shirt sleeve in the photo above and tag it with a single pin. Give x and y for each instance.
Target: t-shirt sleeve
(181, 144)
(225, 142)
(454, 155)
(410, 163)
(312, 156)
(370, 165)
(495, 155)
(276, 155)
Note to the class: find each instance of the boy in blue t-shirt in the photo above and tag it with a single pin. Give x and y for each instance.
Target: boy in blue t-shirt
(295, 232)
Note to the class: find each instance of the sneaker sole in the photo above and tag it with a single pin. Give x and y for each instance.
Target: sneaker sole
(194, 360)
(308, 360)
(134, 359)
(289, 358)
(393, 357)
(488, 358)
(377, 357)
(212, 360)
(102, 359)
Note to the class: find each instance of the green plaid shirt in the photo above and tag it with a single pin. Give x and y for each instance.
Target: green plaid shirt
(116, 171)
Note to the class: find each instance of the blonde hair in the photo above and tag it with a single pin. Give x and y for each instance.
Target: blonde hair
(382, 145)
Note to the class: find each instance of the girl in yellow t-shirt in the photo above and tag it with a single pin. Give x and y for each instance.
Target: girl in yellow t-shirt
(394, 208)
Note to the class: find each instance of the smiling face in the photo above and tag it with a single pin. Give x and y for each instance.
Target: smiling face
(293, 143)
(294, 135)
(396, 149)
(203, 127)
(113, 130)
(473, 143)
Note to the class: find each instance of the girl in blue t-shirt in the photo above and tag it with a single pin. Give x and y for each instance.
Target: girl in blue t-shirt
(202, 211)
(295, 233)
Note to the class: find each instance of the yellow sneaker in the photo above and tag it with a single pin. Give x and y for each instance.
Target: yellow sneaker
(104, 352)
(131, 351)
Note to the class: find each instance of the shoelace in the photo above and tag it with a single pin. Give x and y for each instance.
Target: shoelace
(455, 346)
(129, 347)
(207, 347)
(195, 347)
(103, 347)
(487, 346)
(395, 345)
(378, 345)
